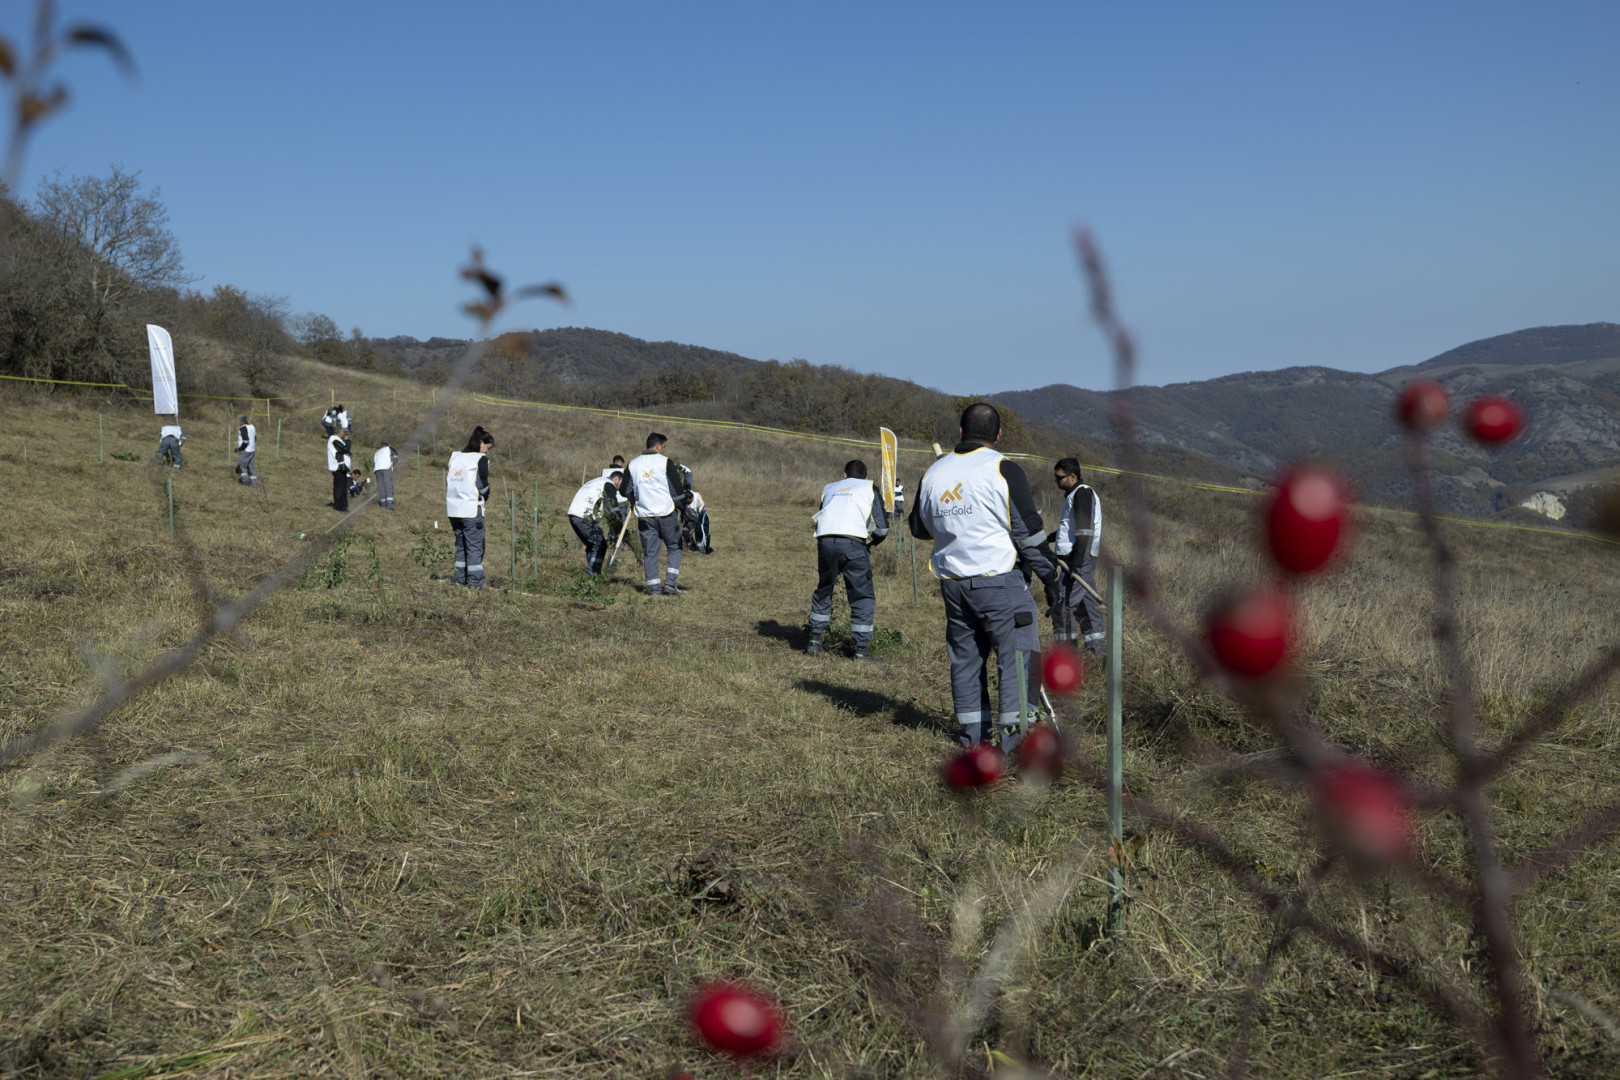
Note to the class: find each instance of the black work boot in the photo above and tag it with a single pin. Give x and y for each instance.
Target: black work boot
(864, 652)
(814, 648)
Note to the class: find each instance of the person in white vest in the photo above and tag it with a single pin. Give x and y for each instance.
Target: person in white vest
(382, 467)
(595, 500)
(618, 466)
(1077, 617)
(466, 488)
(899, 499)
(338, 462)
(976, 506)
(247, 443)
(170, 440)
(657, 492)
(849, 524)
(341, 418)
(329, 421)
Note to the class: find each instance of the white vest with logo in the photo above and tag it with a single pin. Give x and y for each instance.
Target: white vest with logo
(335, 461)
(461, 485)
(586, 498)
(1072, 532)
(964, 503)
(650, 475)
(382, 459)
(252, 438)
(846, 509)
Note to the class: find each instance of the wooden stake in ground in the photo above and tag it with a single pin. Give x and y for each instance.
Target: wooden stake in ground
(620, 543)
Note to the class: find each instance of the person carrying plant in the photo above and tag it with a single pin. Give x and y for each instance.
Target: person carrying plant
(849, 524)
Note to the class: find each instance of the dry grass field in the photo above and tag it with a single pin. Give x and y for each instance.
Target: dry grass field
(392, 828)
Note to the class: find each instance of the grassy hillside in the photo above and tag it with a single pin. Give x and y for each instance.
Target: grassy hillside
(391, 828)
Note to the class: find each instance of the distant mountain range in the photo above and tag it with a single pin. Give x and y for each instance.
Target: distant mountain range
(1240, 428)
(1567, 378)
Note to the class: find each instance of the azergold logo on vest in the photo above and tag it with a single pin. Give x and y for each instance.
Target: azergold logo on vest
(953, 495)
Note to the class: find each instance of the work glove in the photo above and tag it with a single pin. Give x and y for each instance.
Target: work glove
(1054, 596)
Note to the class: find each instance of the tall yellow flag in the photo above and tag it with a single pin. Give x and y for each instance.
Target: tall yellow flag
(891, 451)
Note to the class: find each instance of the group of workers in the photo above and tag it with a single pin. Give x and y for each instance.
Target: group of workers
(973, 503)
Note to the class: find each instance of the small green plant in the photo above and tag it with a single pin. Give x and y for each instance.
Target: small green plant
(125, 456)
(333, 568)
(429, 550)
(884, 638)
(590, 588)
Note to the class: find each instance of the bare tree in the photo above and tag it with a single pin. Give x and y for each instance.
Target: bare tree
(254, 328)
(319, 336)
(123, 231)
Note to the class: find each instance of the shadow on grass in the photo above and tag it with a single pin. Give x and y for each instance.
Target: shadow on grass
(867, 703)
(796, 636)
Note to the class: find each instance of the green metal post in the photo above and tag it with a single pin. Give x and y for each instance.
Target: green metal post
(171, 508)
(1116, 757)
(537, 530)
(278, 438)
(101, 441)
(914, 572)
(1023, 692)
(511, 519)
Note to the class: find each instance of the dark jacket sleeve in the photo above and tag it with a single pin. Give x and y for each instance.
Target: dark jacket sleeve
(880, 519)
(914, 521)
(483, 477)
(677, 483)
(1028, 534)
(241, 438)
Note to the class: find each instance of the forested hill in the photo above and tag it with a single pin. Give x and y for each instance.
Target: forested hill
(1566, 377)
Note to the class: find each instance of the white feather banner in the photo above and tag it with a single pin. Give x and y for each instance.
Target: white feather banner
(165, 396)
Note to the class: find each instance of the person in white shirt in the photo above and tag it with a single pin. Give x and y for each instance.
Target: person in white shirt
(1077, 617)
(170, 439)
(247, 444)
(342, 420)
(618, 466)
(595, 501)
(466, 489)
(657, 492)
(849, 524)
(338, 463)
(382, 467)
(976, 506)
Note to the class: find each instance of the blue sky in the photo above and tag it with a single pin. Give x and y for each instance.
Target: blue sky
(890, 187)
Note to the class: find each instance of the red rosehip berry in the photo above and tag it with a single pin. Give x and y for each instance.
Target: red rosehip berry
(1494, 420)
(1366, 810)
(1422, 405)
(735, 1019)
(1062, 671)
(1251, 635)
(973, 768)
(1307, 518)
(1041, 752)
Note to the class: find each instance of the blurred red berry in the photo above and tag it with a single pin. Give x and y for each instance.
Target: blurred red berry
(1062, 671)
(1422, 405)
(1494, 420)
(735, 1019)
(1307, 518)
(1041, 752)
(1366, 810)
(1251, 634)
(974, 768)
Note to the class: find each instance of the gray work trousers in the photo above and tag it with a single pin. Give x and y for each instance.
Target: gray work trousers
(590, 534)
(653, 531)
(1078, 617)
(244, 468)
(170, 446)
(849, 558)
(469, 552)
(385, 488)
(985, 615)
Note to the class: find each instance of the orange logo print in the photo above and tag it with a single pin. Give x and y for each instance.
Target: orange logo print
(953, 495)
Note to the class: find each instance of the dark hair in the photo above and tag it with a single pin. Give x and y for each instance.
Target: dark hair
(616, 474)
(242, 419)
(655, 438)
(618, 459)
(1067, 466)
(478, 437)
(981, 421)
(855, 468)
